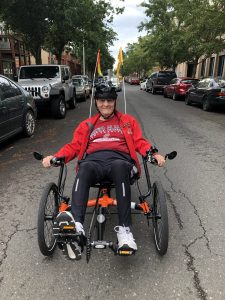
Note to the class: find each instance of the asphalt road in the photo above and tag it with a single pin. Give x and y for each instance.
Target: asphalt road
(194, 265)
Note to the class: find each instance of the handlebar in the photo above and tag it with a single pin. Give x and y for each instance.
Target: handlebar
(55, 161)
(152, 159)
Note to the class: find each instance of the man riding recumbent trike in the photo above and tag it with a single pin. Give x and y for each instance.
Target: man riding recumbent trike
(106, 146)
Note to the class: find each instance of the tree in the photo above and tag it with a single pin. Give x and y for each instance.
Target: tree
(28, 18)
(184, 30)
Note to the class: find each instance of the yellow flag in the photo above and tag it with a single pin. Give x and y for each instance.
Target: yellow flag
(98, 64)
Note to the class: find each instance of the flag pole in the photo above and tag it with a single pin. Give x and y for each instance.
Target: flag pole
(92, 89)
(124, 96)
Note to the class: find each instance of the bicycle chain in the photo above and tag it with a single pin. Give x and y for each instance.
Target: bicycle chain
(88, 248)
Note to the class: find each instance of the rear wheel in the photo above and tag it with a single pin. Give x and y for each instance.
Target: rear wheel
(72, 102)
(206, 105)
(160, 219)
(48, 209)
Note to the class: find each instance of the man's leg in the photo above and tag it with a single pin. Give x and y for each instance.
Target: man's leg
(120, 174)
(88, 174)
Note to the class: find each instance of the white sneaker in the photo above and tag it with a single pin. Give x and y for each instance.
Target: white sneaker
(125, 238)
(79, 227)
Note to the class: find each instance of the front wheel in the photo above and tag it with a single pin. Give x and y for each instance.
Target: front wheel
(187, 100)
(153, 91)
(28, 123)
(174, 97)
(58, 107)
(48, 209)
(160, 219)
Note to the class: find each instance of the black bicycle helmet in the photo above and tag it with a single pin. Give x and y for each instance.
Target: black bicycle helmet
(103, 91)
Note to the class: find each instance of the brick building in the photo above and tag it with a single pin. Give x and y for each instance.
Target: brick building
(13, 53)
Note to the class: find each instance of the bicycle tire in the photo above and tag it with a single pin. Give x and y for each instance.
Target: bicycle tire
(48, 209)
(160, 219)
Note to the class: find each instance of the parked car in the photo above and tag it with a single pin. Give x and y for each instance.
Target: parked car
(87, 83)
(143, 85)
(114, 81)
(178, 87)
(134, 80)
(50, 85)
(208, 92)
(80, 86)
(17, 110)
(158, 80)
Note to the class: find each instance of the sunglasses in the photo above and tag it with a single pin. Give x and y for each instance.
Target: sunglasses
(110, 101)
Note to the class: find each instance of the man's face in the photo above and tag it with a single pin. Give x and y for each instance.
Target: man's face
(105, 106)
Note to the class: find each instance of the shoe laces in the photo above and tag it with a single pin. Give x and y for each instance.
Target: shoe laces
(125, 232)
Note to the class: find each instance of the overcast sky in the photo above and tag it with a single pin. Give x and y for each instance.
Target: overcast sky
(125, 25)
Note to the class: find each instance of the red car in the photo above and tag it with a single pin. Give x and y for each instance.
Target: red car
(134, 80)
(178, 87)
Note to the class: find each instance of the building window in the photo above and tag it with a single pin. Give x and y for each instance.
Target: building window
(211, 66)
(220, 65)
(203, 68)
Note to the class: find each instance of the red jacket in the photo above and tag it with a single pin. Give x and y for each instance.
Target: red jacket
(131, 131)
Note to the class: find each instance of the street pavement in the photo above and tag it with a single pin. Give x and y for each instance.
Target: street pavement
(194, 265)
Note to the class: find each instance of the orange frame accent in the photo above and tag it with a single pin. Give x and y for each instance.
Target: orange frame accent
(106, 201)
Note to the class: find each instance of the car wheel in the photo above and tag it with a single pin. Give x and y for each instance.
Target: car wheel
(165, 94)
(206, 105)
(174, 96)
(85, 97)
(28, 123)
(153, 90)
(187, 99)
(72, 102)
(58, 107)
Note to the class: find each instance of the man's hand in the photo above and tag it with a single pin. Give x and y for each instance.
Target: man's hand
(46, 162)
(160, 159)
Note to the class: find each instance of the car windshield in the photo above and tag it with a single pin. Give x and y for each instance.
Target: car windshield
(221, 82)
(77, 82)
(189, 81)
(39, 72)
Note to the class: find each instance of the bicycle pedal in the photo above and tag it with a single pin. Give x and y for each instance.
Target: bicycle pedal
(123, 252)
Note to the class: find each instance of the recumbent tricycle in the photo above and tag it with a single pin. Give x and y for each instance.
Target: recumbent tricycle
(152, 205)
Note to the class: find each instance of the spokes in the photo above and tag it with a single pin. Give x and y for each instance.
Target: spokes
(49, 215)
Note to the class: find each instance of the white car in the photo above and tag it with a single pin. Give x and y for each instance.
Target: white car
(116, 83)
(143, 85)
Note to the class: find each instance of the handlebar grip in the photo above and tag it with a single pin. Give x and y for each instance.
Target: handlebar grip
(57, 161)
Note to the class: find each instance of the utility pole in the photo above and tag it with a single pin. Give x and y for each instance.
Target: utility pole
(83, 59)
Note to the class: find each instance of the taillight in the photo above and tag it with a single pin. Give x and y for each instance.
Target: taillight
(220, 94)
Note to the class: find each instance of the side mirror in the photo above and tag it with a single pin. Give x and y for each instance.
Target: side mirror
(38, 156)
(171, 155)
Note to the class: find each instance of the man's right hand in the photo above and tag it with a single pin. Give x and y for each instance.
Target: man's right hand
(46, 162)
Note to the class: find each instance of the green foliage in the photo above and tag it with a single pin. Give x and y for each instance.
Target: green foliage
(55, 24)
(184, 30)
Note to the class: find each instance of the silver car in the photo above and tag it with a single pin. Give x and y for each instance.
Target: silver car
(80, 86)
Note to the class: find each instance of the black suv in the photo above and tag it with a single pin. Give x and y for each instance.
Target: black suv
(157, 80)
